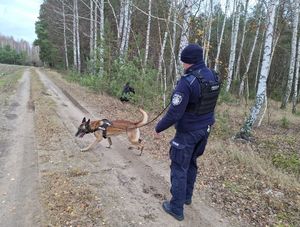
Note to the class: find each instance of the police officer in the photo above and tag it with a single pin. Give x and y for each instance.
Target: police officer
(192, 111)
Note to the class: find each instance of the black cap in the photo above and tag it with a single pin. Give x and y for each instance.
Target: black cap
(192, 54)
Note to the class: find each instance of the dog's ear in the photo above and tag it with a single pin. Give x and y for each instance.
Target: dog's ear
(83, 120)
(88, 121)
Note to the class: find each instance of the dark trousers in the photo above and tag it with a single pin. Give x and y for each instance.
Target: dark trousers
(186, 147)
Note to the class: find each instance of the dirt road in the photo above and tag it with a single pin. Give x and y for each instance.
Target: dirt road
(46, 180)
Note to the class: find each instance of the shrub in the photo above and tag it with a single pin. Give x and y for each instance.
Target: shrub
(290, 163)
(284, 122)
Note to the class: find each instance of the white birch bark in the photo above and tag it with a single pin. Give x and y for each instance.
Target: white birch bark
(101, 36)
(233, 45)
(121, 20)
(296, 80)
(148, 33)
(125, 28)
(237, 70)
(217, 61)
(207, 46)
(91, 29)
(259, 59)
(241, 89)
(184, 37)
(173, 41)
(95, 30)
(78, 39)
(74, 36)
(204, 30)
(128, 30)
(65, 37)
(245, 131)
(163, 45)
(295, 8)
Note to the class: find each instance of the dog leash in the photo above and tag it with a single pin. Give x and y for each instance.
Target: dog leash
(149, 122)
(161, 112)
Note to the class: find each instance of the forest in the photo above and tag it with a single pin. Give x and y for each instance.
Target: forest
(89, 49)
(252, 44)
(18, 52)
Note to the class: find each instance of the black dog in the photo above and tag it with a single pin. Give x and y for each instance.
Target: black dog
(126, 92)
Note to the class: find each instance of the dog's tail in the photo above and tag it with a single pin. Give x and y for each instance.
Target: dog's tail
(144, 120)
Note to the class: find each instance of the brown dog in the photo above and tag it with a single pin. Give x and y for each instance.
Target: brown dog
(105, 129)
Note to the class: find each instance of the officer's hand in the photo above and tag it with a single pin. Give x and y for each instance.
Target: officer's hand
(156, 136)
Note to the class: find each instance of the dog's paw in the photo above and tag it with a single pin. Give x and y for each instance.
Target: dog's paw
(108, 147)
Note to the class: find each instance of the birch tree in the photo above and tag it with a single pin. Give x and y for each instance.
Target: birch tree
(95, 29)
(173, 41)
(245, 131)
(295, 7)
(75, 61)
(65, 36)
(91, 28)
(207, 44)
(163, 44)
(121, 20)
(77, 38)
(237, 69)
(245, 75)
(184, 33)
(217, 61)
(296, 80)
(128, 30)
(234, 37)
(101, 36)
(258, 60)
(125, 28)
(148, 33)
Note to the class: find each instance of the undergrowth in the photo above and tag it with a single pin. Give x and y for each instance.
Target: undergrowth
(147, 88)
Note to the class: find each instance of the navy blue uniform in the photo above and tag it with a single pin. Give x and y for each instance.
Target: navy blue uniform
(192, 131)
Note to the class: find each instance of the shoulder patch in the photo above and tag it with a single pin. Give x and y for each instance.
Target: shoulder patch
(190, 78)
(177, 99)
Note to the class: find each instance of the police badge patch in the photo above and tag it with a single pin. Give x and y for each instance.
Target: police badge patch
(176, 99)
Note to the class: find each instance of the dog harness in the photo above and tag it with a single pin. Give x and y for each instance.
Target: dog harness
(209, 95)
(103, 127)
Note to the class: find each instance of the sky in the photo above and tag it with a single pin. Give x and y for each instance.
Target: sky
(17, 18)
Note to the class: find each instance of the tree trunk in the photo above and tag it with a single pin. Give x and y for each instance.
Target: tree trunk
(173, 42)
(296, 79)
(101, 37)
(65, 37)
(245, 131)
(148, 33)
(295, 7)
(184, 34)
(207, 46)
(74, 36)
(91, 29)
(95, 30)
(78, 39)
(237, 70)
(163, 44)
(217, 61)
(241, 89)
(233, 45)
(259, 59)
(128, 27)
(125, 28)
(121, 20)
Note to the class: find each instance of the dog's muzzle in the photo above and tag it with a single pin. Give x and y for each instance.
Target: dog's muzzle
(80, 134)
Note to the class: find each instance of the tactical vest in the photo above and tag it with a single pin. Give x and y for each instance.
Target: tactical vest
(209, 92)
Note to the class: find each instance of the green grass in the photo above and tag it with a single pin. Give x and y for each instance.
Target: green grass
(288, 162)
